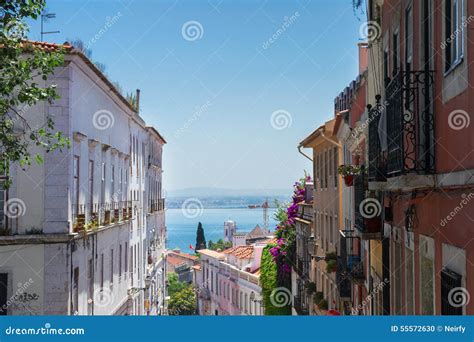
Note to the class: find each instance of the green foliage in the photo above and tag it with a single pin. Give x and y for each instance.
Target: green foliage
(220, 244)
(23, 69)
(331, 266)
(311, 288)
(269, 281)
(183, 302)
(174, 285)
(200, 238)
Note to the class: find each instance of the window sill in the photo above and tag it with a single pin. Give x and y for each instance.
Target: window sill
(454, 67)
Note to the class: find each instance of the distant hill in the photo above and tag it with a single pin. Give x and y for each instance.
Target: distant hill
(221, 192)
(227, 198)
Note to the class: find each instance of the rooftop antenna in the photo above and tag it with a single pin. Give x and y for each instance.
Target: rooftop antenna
(45, 16)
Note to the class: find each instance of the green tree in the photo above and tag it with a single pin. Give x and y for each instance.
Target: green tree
(220, 244)
(24, 70)
(174, 285)
(183, 302)
(200, 238)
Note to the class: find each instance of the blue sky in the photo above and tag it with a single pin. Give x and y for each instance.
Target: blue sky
(213, 98)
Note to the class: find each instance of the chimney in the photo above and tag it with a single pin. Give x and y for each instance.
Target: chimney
(363, 57)
(138, 100)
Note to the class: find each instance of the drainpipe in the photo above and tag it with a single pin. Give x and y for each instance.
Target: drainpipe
(304, 154)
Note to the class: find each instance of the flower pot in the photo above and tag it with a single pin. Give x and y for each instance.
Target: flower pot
(373, 225)
(349, 180)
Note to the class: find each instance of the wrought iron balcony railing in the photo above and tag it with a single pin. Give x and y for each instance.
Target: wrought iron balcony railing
(410, 123)
(376, 169)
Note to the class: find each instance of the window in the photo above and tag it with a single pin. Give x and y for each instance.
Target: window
(427, 276)
(102, 185)
(75, 291)
(111, 267)
(91, 184)
(90, 282)
(449, 280)
(101, 271)
(120, 261)
(386, 76)
(112, 184)
(125, 259)
(396, 52)
(3, 294)
(75, 191)
(335, 162)
(409, 282)
(455, 24)
(409, 38)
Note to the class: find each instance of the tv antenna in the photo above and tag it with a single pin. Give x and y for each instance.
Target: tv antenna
(45, 16)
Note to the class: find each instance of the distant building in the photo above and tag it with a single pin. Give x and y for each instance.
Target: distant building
(229, 281)
(257, 234)
(182, 264)
(230, 229)
(239, 239)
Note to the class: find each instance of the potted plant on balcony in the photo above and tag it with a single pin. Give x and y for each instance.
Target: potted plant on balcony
(331, 266)
(348, 172)
(311, 288)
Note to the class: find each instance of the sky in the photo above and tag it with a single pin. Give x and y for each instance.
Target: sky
(233, 86)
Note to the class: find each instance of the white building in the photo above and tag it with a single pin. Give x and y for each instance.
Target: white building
(88, 237)
(228, 282)
(229, 229)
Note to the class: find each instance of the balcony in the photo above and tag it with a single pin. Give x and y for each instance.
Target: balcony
(156, 205)
(409, 132)
(368, 211)
(355, 268)
(88, 217)
(300, 307)
(343, 281)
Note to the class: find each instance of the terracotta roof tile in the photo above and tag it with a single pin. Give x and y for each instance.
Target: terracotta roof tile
(241, 252)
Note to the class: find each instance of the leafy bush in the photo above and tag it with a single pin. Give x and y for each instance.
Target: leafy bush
(269, 281)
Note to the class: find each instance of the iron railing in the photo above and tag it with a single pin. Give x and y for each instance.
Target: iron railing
(410, 123)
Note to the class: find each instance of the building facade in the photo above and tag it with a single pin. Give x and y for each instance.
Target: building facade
(230, 282)
(419, 153)
(327, 203)
(81, 242)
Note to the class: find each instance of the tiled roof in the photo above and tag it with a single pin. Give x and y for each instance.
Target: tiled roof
(241, 252)
(272, 241)
(257, 232)
(48, 46)
(211, 253)
(173, 260)
(183, 255)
